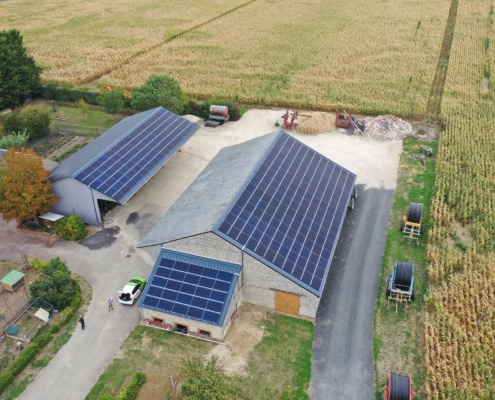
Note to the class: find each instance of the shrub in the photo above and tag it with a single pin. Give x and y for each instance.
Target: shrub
(84, 107)
(13, 123)
(206, 382)
(159, 91)
(24, 359)
(5, 380)
(38, 264)
(17, 140)
(66, 314)
(35, 120)
(55, 327)
(55, 284)
(105, 396)
(71, 228)
(131, 391)
(42, 339)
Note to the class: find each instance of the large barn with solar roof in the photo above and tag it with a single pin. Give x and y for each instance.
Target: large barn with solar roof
(112, 168)
(259, 225)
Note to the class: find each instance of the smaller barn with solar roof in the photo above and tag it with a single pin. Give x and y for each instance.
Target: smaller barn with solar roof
(112, 168)
(259, 225)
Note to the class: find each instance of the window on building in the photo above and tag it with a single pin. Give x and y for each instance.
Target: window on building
(205, 333)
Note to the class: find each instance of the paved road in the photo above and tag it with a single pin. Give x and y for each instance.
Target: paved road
(343, 346)
(76, 367)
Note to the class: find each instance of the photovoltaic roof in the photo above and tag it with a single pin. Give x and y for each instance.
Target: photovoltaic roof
(191, 287)
(290, 212)
(122, 169)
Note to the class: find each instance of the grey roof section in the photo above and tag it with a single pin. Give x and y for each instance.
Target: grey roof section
(198, 209)
(98, 146)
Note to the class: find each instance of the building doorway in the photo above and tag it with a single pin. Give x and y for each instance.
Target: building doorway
(287, 302)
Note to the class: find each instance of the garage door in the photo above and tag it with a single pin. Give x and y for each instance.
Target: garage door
(287, 303)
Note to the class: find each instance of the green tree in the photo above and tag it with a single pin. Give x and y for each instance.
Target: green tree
(36, 121)
(84, 107)
(111, 102)
(54, 284)
(159, 91)
(25, 191)
(19, 74)
(206, 382)
(71, 228)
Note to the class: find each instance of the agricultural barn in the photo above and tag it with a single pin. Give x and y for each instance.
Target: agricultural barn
(195, 293)
(271, 205)
(112, 168)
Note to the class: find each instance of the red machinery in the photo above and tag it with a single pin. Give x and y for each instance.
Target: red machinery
(342, 119)
(398, 388)
(290, 121)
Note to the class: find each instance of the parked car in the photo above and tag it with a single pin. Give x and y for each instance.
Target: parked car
(131, 291)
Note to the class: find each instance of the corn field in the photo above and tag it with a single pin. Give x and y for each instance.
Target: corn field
(460, 309)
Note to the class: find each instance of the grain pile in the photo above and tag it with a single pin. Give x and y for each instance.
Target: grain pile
(316, 122)
(387, 127)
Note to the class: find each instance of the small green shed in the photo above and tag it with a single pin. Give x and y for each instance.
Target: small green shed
(12, 280)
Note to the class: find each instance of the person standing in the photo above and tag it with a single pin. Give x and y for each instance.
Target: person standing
(81, 320)
(110, 304)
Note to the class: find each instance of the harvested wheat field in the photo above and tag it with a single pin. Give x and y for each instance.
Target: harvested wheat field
(370, 56)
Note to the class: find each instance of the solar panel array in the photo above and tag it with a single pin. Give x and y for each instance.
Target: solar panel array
(190, 290)
(123, 169)
(290, 213)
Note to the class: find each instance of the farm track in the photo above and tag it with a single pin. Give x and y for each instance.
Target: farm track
(434, 105)
(107, 71)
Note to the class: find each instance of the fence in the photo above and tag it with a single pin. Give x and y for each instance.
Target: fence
(77, 130)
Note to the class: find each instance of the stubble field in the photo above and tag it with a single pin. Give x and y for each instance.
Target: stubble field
(374, 56)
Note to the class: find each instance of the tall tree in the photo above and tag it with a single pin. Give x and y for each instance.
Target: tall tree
(25, 191)
(19, 74)
(159, 91)
(111, 102)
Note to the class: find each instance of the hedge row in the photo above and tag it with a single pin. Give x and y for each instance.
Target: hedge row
(24, 359)
(68, 93)
(131, 391)
(41, 340)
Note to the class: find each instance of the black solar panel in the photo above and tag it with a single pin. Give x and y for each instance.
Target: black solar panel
(189, 290)
(291, 211)
(123, 169)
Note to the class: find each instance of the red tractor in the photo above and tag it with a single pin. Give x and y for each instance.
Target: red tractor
(342, 119)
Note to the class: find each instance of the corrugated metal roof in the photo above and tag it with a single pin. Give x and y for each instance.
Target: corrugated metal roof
(198, 209)
(12, 278)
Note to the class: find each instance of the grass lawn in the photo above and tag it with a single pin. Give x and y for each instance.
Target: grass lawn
(94, 119)
(282, 359)
(398, 336)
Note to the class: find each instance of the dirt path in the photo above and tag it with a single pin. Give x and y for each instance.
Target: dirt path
(244, 334)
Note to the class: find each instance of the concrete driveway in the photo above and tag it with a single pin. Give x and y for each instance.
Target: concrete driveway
(110, 258)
